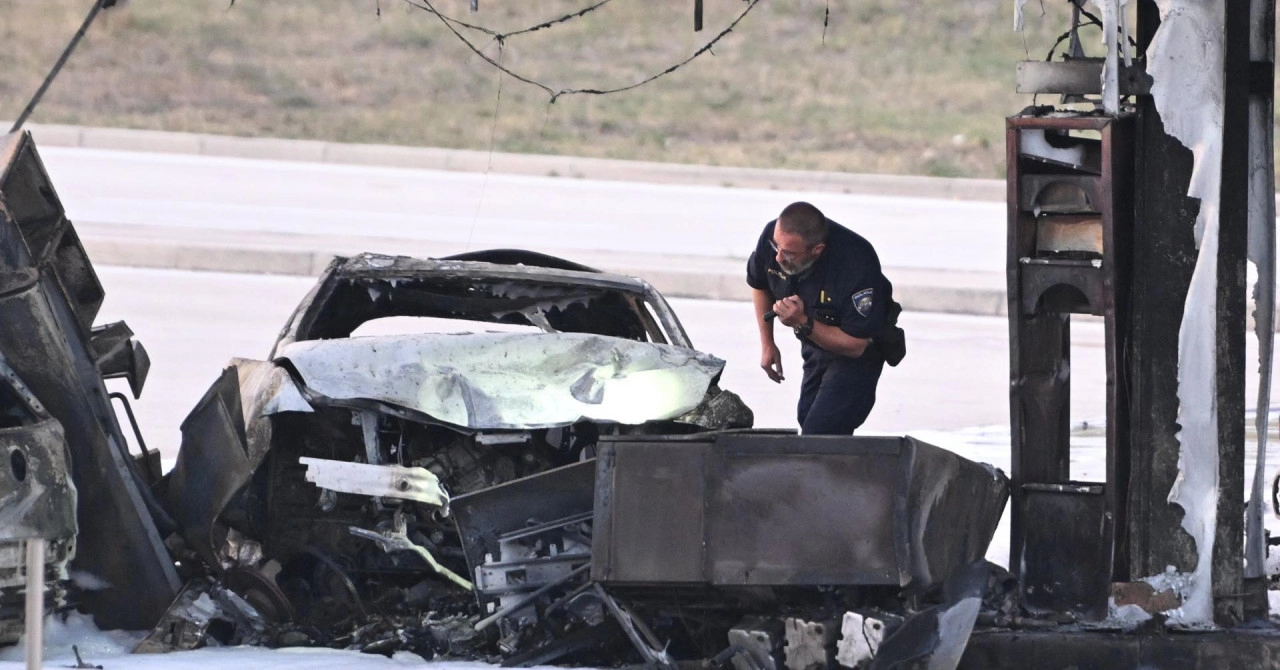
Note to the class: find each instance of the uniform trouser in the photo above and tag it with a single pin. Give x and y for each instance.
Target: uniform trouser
(837, 392)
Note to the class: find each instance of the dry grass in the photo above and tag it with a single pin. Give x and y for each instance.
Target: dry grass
(908, 86)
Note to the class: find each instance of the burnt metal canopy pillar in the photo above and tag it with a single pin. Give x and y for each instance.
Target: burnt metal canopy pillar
(1164, 259)
(1095, 228)
(1071, 173)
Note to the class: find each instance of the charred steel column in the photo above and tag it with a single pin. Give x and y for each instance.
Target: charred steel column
(1164, 257)
(1262, 236)
(1233, 235)
(1164, 260)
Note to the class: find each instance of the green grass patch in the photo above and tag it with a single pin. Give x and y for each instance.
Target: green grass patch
(893, 86)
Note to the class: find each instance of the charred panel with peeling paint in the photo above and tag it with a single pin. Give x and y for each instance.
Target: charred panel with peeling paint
(761, 509)
(47, 309)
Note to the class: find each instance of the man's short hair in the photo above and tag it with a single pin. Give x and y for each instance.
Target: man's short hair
(805, 220)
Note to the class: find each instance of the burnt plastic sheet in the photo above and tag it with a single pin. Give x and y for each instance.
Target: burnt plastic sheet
(936, 637)
(224, 440)
(767, 509)
(212, 466)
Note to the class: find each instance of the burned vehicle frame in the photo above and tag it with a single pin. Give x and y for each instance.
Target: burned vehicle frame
(71, 479)
(318, 484)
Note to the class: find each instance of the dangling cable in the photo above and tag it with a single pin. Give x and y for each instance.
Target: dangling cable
(493, 134)
(62, 60)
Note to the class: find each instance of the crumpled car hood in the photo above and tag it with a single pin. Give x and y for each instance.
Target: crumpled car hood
(513, 381)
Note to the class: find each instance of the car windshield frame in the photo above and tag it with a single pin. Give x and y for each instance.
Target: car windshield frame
(356, 290)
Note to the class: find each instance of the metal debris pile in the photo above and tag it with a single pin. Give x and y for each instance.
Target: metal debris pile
(641, 554)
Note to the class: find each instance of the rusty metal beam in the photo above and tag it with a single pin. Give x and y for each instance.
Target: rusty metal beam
(1233, 235)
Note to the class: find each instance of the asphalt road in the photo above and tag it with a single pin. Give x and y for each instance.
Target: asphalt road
(478, 210)
(955, 374)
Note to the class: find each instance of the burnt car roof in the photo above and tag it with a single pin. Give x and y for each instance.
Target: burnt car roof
(520, 257)
(489, 264)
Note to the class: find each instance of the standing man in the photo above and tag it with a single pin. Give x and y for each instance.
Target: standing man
(823, 281)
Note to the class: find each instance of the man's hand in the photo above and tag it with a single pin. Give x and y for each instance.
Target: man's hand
(771, 362)
(790, 311)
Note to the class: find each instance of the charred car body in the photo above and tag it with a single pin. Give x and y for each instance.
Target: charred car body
(338, 458)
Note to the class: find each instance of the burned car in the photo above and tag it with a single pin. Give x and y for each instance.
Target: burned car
(317, 485)
(505, 455)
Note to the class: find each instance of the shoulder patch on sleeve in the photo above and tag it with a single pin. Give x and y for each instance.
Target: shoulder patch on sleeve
(862, 301)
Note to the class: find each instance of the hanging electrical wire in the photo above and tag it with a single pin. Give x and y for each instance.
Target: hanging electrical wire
(98, 5)
(1074, 33)
(453, 25)
(705, 48)
(826, 21)
(501, 37)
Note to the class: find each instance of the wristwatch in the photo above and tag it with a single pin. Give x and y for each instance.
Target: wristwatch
(804, 330)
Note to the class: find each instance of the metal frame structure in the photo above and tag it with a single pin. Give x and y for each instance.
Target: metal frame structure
(1070, 226)
(1138, 183)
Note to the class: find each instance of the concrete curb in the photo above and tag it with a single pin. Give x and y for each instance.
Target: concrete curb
(937, 291)
(461, 160)
(967, 293)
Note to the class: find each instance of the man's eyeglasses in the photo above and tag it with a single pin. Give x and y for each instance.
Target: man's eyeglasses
(787, 254)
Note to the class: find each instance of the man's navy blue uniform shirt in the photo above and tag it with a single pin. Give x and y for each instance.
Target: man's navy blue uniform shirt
(846, 288)
(843, 288)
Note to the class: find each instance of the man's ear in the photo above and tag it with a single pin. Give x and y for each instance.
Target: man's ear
(819, 248)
